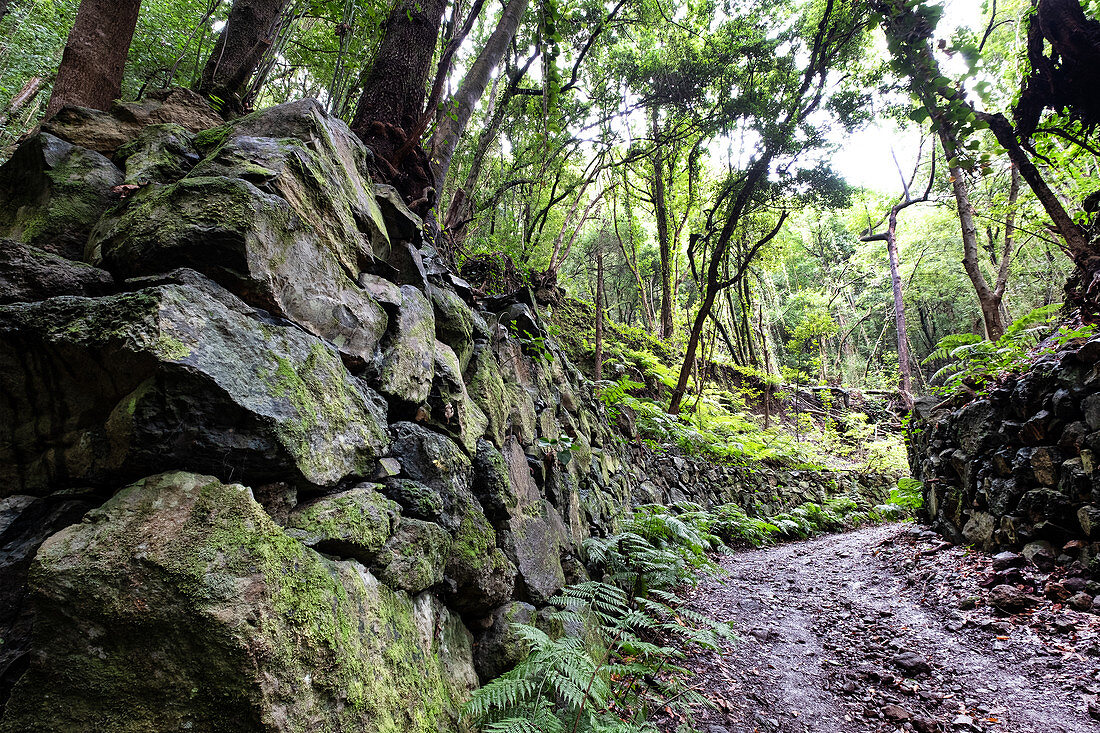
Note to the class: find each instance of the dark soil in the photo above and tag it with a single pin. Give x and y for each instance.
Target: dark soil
(866, 631)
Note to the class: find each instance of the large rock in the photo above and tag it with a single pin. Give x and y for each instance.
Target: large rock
(25, 523)
(449, 406)
(175, 376)
(479, 577)
(28, 273)
(408, 354)
(159, 154)
(486, 388)
(355, 523)
(536, 531)
(52, 193)
(108, 131)
(287, 221)
(180, 605)
(500, 647)
(414, 559)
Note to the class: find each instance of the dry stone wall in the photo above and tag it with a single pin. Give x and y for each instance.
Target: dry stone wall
(1016, 466)
(265, 463)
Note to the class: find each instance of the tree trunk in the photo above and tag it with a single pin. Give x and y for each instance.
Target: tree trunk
(393, 95)
(599, 309)
(91, 68)
(753, 178)
(1083, 288)
(660, 207)
(905, 379)
(458, 110)
(248, 33)
(988, 299)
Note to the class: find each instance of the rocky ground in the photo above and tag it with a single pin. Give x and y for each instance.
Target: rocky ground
(889, 628)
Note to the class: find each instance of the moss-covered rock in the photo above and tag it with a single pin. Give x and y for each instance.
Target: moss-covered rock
(536, 534)
(251, 242)
(416, 499)
(454, 323)
(102, 390)
(28, 274)
(492, 484)
(408, 353)
(413, 560)
(180, 605)
(159, 154)
(499, 648)
(107, 131)
(355, 523)
(479, 576)
(449, 406)
(52, 193)
(486, 389)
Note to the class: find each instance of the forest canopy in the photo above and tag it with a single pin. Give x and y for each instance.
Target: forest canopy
(671, 165)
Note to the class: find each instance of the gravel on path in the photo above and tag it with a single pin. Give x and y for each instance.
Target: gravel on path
(888, 629)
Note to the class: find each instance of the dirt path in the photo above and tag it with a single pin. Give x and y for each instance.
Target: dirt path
(863, 632)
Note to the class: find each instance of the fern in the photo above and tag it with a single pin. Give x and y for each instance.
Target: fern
(973, 361)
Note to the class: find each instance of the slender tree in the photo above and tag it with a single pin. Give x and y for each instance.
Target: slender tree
(247, 35)
(905, 370)
(457, 111)
(834, 37)
(660, 209)
(91, 68)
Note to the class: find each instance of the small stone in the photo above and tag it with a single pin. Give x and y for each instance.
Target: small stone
(911, 663)
(1010, 599)
(895, 713)
(1004, 560)
(1080, 601)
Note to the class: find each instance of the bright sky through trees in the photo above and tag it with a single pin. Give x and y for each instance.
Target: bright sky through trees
(864, 158)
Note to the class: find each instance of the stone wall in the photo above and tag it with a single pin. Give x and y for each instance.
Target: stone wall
(1017, 465)
(317, 477)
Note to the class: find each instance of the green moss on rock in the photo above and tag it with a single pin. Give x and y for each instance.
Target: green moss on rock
(180, 605)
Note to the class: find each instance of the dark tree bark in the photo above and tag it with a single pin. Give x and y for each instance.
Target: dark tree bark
(90, 74)
(1068, 77)
(394, 92)
(248, 33)
(660, 209)
(599, 309)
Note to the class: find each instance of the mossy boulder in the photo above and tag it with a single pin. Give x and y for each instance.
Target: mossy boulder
(159, 154)
(413, 560)
(107, 131)
(180, 605)
(28, 274)
(252, 243)
(52, 193)
(449, 406)
(454, 323)
(479, 576)
(499, 648)
(408, 351)
(536, 534)
(355, 523)
(104, 390)
(486, 389)
(416, 499)
(492, 483)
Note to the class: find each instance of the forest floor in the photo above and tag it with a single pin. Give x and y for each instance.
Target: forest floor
(888, 629)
